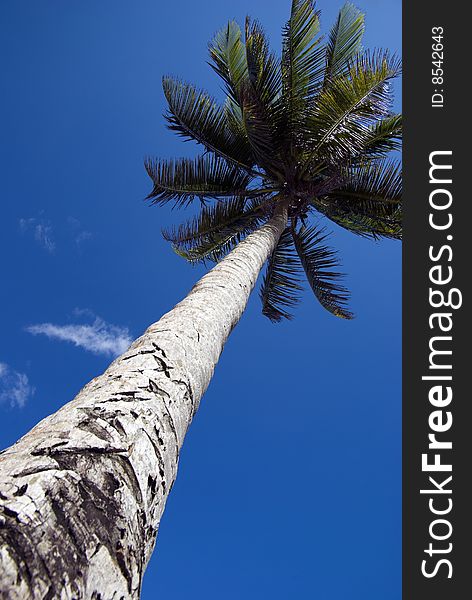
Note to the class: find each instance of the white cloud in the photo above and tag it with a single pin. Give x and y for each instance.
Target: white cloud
(41, 230)
(99, 337)
(14, 387)
(81, 235)
(44, 233)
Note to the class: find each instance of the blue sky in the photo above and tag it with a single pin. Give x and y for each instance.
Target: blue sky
(289, 483)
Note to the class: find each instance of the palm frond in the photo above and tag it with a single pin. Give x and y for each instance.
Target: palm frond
(280, 288)
(258, 95)
(384, 137)
(194, 115)
(346, 110)
(228, 58)
(234, 119)
(302, 55)
(365, 224)
(263, 65)
(184, 179)
(367, 201)
(258, 127)
(373, 181)
(372, 220)
(303, 62)
(318, 263)
(217, 229)
(344, 41)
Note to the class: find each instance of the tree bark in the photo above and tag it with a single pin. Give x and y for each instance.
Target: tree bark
(82, 494)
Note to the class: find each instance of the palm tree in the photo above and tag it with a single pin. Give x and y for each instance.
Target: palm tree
(82, 494)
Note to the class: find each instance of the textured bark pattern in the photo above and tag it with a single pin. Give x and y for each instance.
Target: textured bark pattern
(82, 494)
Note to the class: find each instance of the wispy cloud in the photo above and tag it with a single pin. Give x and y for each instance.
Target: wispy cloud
(82, 237)
(80, 234)
(42, 232)
(14, 387)
(98, 337)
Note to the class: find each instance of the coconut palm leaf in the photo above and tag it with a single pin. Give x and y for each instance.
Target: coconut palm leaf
(365, 219)
(235, 121)
(263, 65)
(217, 229)
(184, 179)
(377, 181)
(368, 200)
(257, 98)
(344, 41)
(228, 58)
(280, 288)
(303, 63)
(194, 115)
(302, 55)
(259, 131)
(346, 110)
(384, 137)
(318, 263)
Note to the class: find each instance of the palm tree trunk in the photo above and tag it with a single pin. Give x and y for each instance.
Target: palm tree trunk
(82, 494)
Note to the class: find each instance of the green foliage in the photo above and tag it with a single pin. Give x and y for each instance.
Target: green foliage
(194, 115)
(303, 63)
(217, 229)
(344, 42)
(369, 200)
(348, 108)
(228, 59)
(384, 137)
(312, 130)
(280, 287)
(203, 177)
(318, 263)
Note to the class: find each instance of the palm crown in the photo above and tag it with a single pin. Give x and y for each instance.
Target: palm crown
(311, 130)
